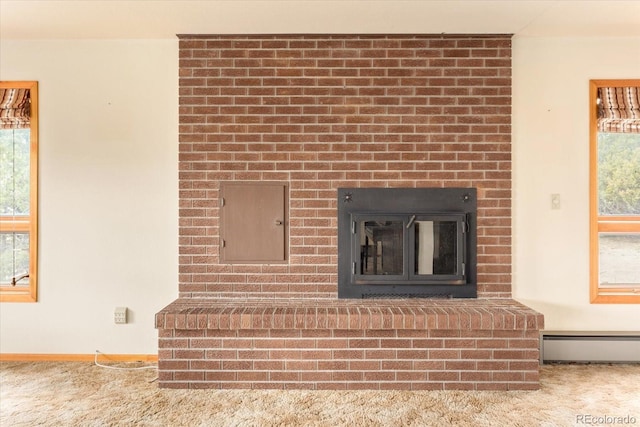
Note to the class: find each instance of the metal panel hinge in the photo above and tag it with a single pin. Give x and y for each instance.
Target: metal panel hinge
(353, 268)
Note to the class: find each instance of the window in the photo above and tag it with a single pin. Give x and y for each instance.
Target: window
(18, 191)
(615, 191)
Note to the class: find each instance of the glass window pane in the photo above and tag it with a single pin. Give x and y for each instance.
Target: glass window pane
(436, 247)
(14, 257)
(618, 173)
(381, 247)
(619, 259)
(14, 171)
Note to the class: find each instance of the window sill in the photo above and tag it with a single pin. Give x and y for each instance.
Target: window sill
(607, 297)
(8, 294)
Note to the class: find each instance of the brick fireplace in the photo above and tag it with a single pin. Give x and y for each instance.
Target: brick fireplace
(318, 113)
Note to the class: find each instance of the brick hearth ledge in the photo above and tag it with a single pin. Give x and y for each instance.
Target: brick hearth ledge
(411, 344)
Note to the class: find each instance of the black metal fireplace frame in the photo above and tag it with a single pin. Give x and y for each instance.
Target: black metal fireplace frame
(406, 202)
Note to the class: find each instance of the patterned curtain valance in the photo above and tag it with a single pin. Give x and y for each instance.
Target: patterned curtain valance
(619, 109)
(15, 108)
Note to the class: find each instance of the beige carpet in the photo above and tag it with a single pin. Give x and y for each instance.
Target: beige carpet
(81, 394)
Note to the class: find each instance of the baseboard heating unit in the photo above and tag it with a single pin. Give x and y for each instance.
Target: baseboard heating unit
(589, 347)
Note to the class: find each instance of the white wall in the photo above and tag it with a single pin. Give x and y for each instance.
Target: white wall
(108, 194)
(108, 187)
(551, 155)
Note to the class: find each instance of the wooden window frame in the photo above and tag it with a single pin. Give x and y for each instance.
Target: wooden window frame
(26, 223)
(597, 223)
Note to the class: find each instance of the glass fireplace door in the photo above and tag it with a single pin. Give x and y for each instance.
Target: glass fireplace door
(379, 248)
(439, 248)
(408, 249)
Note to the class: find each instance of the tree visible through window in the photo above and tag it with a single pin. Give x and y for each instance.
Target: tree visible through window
(18, 191)
(615, 191)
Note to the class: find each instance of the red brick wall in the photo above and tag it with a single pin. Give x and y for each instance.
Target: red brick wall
(350, 359)
(322, 112)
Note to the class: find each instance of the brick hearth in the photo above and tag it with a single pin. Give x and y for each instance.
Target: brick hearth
(319, 113)
(349, 344)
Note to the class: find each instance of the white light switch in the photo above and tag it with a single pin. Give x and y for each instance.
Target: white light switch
(555, 201)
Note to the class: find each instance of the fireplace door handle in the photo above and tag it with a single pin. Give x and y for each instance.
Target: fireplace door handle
(278, 222)
(411, 220)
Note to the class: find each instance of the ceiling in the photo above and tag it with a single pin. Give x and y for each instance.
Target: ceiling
(124, 19)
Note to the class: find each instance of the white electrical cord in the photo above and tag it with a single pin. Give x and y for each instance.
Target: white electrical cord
(95, 360)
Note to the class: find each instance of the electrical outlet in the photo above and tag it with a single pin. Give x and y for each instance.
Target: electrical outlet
(120, 315)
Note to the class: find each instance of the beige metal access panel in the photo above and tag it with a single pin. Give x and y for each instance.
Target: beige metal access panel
(253, 222)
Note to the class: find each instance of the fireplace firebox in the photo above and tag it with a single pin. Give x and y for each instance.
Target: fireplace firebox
(407, 242)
